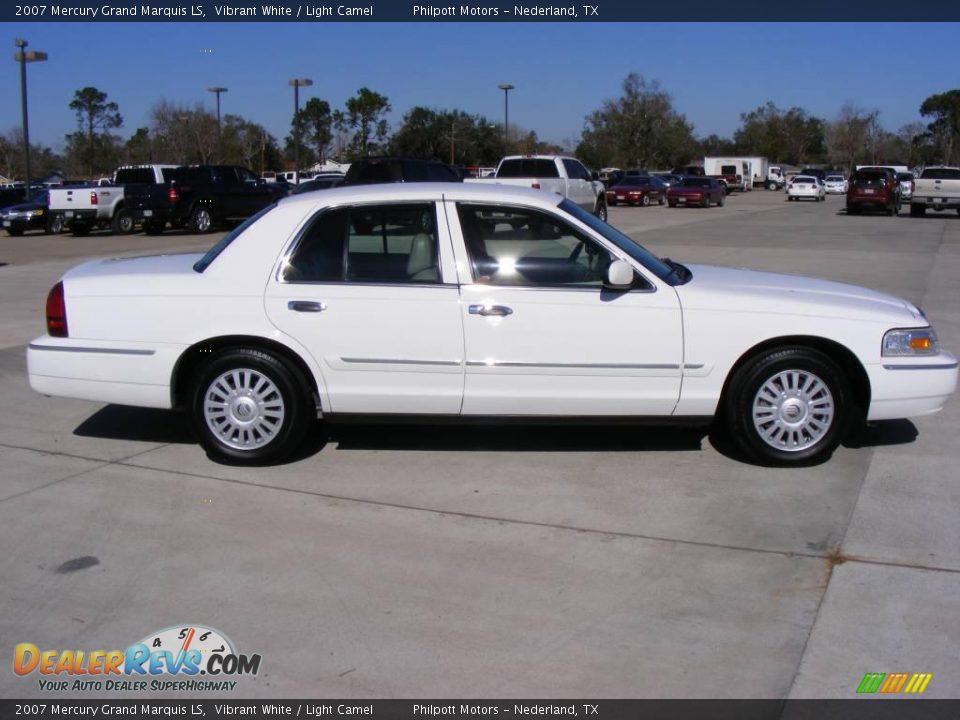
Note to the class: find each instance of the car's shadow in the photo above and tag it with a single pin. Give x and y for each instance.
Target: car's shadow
(116, 422)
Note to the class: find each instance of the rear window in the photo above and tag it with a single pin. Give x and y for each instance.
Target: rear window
(204, 262)
(695, 182)
(528, 167)
(869, 179)
(134, 175)
(834, 178)
(941, 174)
(905, 176)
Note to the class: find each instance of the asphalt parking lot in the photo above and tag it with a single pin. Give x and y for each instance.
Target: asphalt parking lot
(520, 562)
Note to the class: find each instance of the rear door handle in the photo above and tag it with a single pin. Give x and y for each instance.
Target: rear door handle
(488, 310)
(306, 306)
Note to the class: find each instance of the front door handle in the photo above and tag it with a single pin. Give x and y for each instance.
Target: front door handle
(306, 306)
(488, 310)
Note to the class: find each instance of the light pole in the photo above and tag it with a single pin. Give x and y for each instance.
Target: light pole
(23, 56)
(218, 90)
(506, 87)
(297, 83)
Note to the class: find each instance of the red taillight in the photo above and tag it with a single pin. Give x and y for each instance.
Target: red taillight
(535, 186)
(94, 200)
(172, 194)
(56, 312)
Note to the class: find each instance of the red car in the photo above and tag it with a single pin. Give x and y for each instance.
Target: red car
(700, 191)
(637, 190)
(876, 187)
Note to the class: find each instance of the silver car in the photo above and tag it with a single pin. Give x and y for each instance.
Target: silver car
(836, 184)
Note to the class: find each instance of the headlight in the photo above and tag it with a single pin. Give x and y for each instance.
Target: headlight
(910, 341)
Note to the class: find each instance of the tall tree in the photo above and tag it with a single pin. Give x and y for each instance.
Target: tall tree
(448, 135)
(851, 136)
(93, 145)
(791, 136)
(641, 128)
(316, 131)
(944, 108)
(366, 118)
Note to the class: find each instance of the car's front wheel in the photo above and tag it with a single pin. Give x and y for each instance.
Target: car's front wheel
(250, 406)
(601, 210)
(788, 406)
(201, 221)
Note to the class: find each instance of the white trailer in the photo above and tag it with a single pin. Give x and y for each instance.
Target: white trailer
(758, 169)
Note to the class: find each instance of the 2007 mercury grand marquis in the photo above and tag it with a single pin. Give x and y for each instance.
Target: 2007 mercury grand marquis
(454, 301)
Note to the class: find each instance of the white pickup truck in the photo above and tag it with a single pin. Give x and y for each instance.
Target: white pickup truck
(936, 188)
(565, 176)
(84, 208)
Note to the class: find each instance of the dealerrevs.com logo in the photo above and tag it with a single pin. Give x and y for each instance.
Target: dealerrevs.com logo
(178, 658)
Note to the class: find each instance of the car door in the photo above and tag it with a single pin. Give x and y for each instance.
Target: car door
(363, 289)
(542, 335)
(580, 182)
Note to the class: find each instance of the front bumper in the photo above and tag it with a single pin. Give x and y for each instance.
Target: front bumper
(910, 387)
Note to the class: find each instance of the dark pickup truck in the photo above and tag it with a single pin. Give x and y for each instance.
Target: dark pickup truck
(199, 197)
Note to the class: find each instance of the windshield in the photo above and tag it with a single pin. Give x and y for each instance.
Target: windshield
(630, 246)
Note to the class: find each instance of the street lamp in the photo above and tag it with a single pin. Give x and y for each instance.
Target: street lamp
(297, 83)
(506, 87)
(218, 90)
(24, 56)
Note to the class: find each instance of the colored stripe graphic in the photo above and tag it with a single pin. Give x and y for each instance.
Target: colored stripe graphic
(918, 683)
(893, 683)
(871, 682)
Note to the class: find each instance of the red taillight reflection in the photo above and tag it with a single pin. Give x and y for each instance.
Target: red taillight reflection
(56, 312)
(94, 200)
(173, 195)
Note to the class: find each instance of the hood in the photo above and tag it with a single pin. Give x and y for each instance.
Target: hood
(23, 207)
(742, 290)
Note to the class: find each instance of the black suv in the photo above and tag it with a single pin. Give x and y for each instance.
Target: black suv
(374, 170)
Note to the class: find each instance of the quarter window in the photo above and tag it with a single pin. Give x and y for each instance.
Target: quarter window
(378, 243)
(522, 246)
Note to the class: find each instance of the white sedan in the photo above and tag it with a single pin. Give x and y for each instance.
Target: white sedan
(835, 184)
(806, 186)
(456, 302)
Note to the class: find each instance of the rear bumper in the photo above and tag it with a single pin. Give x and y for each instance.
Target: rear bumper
(153, 214)
(80, 216)
(109, 372)
(869, 200)
(947, 203)
(909, 387)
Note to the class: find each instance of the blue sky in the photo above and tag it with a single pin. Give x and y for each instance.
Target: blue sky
(561, 71)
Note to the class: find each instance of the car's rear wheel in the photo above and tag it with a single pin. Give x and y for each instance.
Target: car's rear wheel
(122, 222)
(661, 200)
(646, 201)
(201, 221)
(788, 406)
(853, 209)
(250, 406)
(721, 201)
(917, 210)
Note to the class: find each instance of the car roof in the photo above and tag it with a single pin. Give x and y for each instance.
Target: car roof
(426, 191)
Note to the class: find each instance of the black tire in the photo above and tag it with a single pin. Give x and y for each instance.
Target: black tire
(79, 229)
(823, 413)
(721, 201)
(153, 227)
(917, 210)
(201, 220)
(14, 231)
(671, 203)
(853, 209)
(771, 186)
(646, 201)
(122, 222)
(612, 203)
(662, 200)
(601, 210)
(238, 440)
(54, 224)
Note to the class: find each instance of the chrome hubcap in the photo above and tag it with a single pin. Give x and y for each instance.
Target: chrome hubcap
(793, 410)
(243, 409)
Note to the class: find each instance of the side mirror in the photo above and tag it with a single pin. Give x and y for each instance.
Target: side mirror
(619, 275)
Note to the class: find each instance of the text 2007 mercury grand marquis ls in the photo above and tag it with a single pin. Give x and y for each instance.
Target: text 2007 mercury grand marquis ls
(459, 302)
